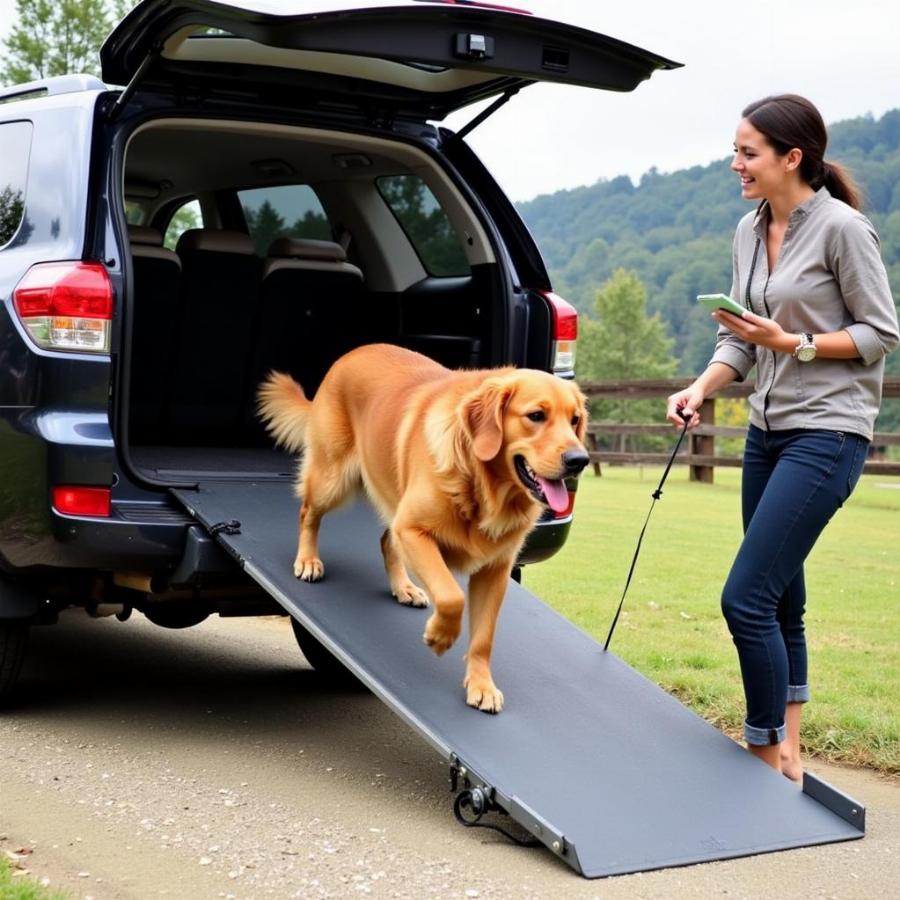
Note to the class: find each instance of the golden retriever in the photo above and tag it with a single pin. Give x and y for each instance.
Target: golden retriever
(459, 464)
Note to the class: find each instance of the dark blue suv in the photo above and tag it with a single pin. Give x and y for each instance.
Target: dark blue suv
(267, 191)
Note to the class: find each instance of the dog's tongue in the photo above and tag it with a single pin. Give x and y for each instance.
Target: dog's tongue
(555, 493)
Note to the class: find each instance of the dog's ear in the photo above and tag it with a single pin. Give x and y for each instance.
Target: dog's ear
(482, 415)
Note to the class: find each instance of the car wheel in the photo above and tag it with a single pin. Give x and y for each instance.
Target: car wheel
(323, 660)
(176, 615)
(13, 641)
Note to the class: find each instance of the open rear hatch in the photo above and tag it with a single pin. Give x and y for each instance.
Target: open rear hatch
(404, 58)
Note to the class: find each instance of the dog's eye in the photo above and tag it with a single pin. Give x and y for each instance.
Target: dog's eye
(576, 420)
(537, 416)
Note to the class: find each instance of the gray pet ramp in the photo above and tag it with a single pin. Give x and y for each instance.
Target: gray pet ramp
(599, 764)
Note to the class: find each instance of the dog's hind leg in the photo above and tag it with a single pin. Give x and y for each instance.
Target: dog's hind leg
(487, 588)
(325, 485)
(402, 586)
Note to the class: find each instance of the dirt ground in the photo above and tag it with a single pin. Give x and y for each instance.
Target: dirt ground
(213, 763)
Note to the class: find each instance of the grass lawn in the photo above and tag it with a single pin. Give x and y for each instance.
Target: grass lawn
(23, 887)
(672, 630)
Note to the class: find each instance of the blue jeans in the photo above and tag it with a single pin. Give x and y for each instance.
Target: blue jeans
(793, 483)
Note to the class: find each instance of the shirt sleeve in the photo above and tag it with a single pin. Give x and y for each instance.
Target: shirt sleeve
(730, 349)
(858, 268)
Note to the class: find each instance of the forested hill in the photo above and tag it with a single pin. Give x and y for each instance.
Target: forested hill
(675, 230)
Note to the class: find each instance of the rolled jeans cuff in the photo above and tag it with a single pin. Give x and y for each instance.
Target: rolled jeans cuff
(798, 693)
(763, 737)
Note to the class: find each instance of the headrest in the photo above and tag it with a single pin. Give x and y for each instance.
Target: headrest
(142, 234)
(306, 248)
(215, 240)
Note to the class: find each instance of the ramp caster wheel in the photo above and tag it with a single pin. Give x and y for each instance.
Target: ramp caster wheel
(323, 661)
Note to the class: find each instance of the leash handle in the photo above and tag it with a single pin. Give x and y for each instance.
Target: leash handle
(656, 495)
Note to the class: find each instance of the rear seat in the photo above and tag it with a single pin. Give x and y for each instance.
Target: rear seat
(219, 290)
(308, 295)
(156, 273)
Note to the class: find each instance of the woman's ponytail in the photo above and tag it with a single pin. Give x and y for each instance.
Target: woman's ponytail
(840, 184)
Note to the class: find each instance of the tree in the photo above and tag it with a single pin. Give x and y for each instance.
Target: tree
(624, 342)
(265, 224)
(12, 208)
(57, 37)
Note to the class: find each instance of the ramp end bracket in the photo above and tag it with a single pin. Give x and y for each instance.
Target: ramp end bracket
(839, 803)
(541, 830)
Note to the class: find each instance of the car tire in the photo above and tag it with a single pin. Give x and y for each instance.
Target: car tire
(324, 661)
(13, 643)
(176, 615)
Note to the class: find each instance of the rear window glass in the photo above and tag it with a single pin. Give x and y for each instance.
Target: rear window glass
(188, 215)
(15, 148)
(288, 210)
(426, 224)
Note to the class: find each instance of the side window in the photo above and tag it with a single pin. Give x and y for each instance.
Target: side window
(134, 213)
(426, 224)
(15, 148)
(187, 216)
(288, 210)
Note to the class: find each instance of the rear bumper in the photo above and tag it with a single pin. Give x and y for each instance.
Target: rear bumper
(545, 540)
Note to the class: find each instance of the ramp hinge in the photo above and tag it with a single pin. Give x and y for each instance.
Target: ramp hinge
(232, 527)
(476, 799)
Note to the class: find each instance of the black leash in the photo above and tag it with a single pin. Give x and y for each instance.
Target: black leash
(656, 495)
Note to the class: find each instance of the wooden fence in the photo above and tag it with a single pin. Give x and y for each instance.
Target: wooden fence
(699, 451)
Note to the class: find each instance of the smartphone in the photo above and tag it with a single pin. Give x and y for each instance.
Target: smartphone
(720, 301)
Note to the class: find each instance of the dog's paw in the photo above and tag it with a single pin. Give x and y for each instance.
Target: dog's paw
(483, 694)
(409, 594)
(441, 633)
(309, 569)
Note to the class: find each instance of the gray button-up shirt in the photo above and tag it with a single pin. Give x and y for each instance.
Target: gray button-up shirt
(829, 277)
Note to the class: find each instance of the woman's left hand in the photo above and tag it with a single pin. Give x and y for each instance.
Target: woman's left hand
(757, 330)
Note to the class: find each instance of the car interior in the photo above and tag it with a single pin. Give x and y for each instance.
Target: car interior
(261, 247)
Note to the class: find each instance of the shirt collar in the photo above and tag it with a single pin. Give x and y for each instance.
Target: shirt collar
(798, 214)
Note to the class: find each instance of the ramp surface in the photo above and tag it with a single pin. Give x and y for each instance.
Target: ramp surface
(604, 767)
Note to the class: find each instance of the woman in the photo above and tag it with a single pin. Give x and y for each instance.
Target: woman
(819, 321)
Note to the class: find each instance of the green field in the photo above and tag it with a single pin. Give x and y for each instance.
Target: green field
(23, 887)
(672, 630)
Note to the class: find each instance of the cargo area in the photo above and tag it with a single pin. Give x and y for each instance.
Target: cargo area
(257, 248)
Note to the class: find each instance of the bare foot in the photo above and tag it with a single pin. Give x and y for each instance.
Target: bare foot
(770, 754)
(792, 768)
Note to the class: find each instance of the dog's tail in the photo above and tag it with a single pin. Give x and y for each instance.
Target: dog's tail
(284, 409)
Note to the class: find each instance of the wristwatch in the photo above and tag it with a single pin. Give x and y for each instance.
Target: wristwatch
(806, 349)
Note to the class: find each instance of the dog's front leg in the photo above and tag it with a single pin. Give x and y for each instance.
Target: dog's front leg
(423, 555)
(487, 588)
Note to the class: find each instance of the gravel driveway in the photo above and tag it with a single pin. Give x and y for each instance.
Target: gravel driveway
(213, 763)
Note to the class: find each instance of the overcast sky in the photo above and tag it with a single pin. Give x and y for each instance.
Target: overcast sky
(845, 56)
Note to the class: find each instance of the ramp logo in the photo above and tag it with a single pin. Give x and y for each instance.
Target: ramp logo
(713, 844)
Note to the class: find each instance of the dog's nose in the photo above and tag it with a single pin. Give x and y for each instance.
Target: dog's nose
(574, 461)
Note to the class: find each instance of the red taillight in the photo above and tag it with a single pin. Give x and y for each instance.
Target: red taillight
(66, 306)
(565, 333)
(81, 501)
(564, 514)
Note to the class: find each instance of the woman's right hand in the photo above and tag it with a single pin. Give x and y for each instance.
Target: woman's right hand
(685, 406)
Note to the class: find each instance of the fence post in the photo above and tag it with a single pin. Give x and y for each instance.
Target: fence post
(704, 445)
(592, 440)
